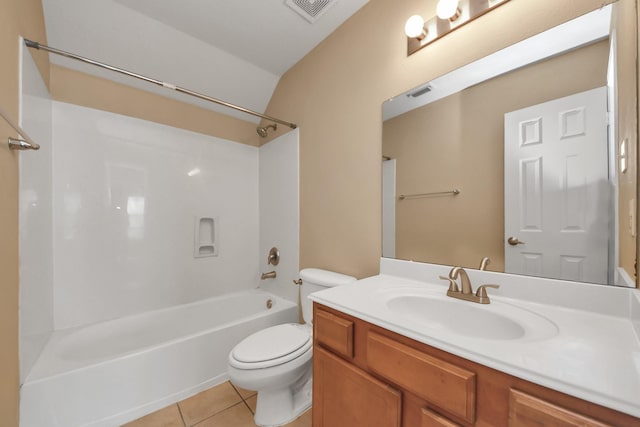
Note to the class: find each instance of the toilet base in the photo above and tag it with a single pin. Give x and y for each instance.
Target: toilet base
(279, 407)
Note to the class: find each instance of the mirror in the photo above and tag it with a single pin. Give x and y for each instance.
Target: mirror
(515, 157)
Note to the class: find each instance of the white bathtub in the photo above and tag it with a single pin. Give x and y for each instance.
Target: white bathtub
(114, 372)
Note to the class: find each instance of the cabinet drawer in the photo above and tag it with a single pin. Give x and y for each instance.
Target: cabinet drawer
(447, 386)
(431, 419)
(334, 332)
(529, 411)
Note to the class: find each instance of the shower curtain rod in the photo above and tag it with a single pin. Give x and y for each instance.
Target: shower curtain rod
(36, 45)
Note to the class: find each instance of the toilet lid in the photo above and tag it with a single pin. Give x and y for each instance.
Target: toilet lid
(272, 343)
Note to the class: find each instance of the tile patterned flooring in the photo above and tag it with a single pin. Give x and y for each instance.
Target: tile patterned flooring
(224, 405)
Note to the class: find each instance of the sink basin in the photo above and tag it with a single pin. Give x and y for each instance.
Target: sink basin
(495, 321)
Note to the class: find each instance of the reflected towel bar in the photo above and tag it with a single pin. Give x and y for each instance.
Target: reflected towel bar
(453, 192)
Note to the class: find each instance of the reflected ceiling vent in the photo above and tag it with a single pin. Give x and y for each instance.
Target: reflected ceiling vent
(311, 10)
(421, 91)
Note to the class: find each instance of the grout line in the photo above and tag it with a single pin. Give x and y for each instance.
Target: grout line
(213, 414)
(236, 389)
(248, 407)
(184, 423)
(242, 399)
(216, 414)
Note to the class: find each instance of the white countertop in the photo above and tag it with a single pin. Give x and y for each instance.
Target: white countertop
(591, 354)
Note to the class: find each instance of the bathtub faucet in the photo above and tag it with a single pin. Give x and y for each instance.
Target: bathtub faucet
(269, 275)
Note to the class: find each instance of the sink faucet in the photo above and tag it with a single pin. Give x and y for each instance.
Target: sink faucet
(465, 283)
(466, 293)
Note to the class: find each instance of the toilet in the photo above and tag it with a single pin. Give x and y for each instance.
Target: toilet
(276, 361)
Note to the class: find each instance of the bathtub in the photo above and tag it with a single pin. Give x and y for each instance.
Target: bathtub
(113, 372)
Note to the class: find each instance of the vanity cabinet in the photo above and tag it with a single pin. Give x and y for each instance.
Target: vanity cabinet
(365, 375)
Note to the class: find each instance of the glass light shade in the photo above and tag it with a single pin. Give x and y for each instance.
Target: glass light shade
(414, 26)
(447, 8)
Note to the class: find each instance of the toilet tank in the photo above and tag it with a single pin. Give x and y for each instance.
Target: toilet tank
(315, 279)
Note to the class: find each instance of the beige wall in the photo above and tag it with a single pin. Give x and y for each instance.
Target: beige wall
(457, 142)
(79, 88)
(17, 17)
(637, 153)
(335, 94)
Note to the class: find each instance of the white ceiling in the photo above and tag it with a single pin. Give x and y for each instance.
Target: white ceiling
(234, 50)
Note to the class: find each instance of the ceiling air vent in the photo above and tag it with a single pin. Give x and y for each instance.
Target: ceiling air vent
(311, 10)
(420, 91)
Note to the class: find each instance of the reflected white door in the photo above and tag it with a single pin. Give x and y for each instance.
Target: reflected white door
(557, 190)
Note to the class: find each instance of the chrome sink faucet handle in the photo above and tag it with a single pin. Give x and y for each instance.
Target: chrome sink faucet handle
(453, 286)
(465, 283)
(484, 262)
(481, 293)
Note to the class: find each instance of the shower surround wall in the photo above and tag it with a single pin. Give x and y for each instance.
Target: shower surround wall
(280, 212)
(127, 193)
(36, 218)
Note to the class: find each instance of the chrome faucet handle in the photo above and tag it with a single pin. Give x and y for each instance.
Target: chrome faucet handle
(481, 293)
(453, 286)
(484, 262)
(274, 256)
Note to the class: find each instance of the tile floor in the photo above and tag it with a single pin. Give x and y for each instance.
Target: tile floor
(221, 406)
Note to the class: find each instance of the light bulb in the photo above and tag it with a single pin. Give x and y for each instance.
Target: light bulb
(447, 9)
(414, 26)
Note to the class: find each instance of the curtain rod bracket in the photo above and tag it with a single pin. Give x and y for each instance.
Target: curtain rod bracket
(32, 44)
(21, 144)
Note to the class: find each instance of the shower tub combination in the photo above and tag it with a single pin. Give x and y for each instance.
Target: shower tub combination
(113, 372)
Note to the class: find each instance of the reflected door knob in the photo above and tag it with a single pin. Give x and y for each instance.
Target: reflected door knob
(513, 241)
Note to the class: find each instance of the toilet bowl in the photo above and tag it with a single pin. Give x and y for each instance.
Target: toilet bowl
(276, 361)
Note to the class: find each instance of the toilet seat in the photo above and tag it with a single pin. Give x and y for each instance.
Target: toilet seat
(271, 347)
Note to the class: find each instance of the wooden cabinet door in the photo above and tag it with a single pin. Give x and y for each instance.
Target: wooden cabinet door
(345, 396)
(529, 411)
(431, 419)
(448, 386)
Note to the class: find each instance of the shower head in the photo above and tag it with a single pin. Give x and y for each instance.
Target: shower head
(262, 131)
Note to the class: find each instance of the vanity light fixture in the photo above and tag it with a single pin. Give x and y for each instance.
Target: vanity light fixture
(451, 14)
(414, 28)
(448, 9)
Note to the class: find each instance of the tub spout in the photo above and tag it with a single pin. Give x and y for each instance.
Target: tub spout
(269, 275)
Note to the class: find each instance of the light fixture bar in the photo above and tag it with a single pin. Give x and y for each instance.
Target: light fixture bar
(467, 11)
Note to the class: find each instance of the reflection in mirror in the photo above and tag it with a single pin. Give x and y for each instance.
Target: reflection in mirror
(540, 141)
